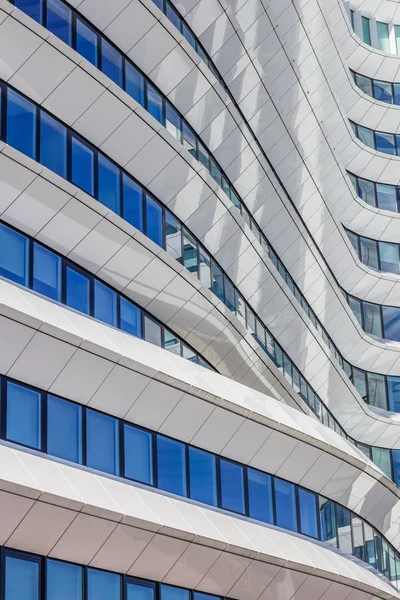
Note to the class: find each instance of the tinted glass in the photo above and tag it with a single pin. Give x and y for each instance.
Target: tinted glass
(393, 384)
(154, 229)
(308, 513)
(46, 272)
(365, 30)
(366, 136)
(171, 463)
(327, 520)
(21, 579)
(364, 83)
(260, 495)
(173, 593)
(203, 480)
(78, 291)
(391, 323)
(130, 319)
(172, 122)
(217, 281)
(138, 456)
(171, 342)
(344, 529)
(189, 140)
(232, 486)
(385, 143)
(102, 442)
(102, 585)
(14, 249)
(355, 306)
(190, 253)
(86, 42)
(366, 191)
(386, 197)
(59, 20)
(389, 257)
(32, 8)
(372, 319)
(173, 235)
(173, 16)
(133, 202)
(229, 295)
(105, 304)
(136, 591)
(64, 429)
(21, 124)
(111, 62)
(383, 91)
(152, 332)
(285, 504)
(396, 86)
(64, 581)
(358, 537)
(381, 457)
(53, 145)
(23, 415)
(109, 184)
(369, 252)
(382, 31)
(370, 550)
(134, 83)
(155, 104)
(377, 390)
(82, 166)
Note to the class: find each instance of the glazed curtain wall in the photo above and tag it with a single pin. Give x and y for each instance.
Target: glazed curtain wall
(385, 91)
(380, 195)
(380, 256)
(72, 432)
(388, 143)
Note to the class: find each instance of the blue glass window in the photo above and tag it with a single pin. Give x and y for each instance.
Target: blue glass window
(109, 184)
(171, 463)
(82, 166)
(344, 529)
(285, 504)
(365, 30)
(134, 83)
(372, 319)
(21, 579)
(202, 476)
(232, 486)
(229, 295)
(173, 16)
(77, 291)
(137, 591)
(364, 83)
(152, 332)
(64, 429)
(389, 257)
(327, 520)
(173, 236)
(385, 142)
(59, 20)
(383, 91)
(217, 281)
(138, 455)
(102, 442)
(189, 140)
(132, 203)
(188, 35)
(172, 122)
(111, 62)
(154, 228)
(205, 268)
(102, 585)
(168, 592)
(64, 581)
(394, 393)
(382, 30)
(386, 196)
(308, 513)
(155, 104)
(396, 89)
(366, 191)
(396, 466)
(366, 136)
(87, 42)
(203, 156)
(21, 124)
(105, 303)
(23, 415)
(14, 261)
(46, 272)
(53, 145)
(260, 496)
(391, 322)
(32, 8)
(190, 252)
(130, 320)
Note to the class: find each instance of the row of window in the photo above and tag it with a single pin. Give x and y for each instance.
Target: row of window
(32, 577)
(75, 433)
(382, 322)
(33, 265)
(380, 195)
(388, 143)
(385, 91)
(380, 256)
(382, 34)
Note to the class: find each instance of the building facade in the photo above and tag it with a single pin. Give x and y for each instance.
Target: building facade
(199, 300)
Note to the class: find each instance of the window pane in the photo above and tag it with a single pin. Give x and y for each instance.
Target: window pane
(82, 166)
(102, 442)
(359, 383)
(111, 62)
(21, 579)
(382, 31)
(152, 331)
(370, 550)
(133, 202)
(130, 318)
(102, 585)
(396, 86)
(138, 454)
(109, 184)
(381, 457)
(308, 513)
(190, 252)
(32, 8)
(327, 520)
(217, 281)
(205, 268)
(21, 124)
(240, 308)
(364, 83)
(203, 156)
(59, 20)
(154, 229)
(389, 257)
(396, 466)
(23, 415)
(365, 30)
(216, 172)
(386, 195)
(171, 465)
(366, 191)
(391, 323)
(155, 104)
(383, 91)
(188, 36)
(53, 145)
(189, 140)
(285, 504)
(232, 486)
(260, 496)
(14, 255)
(355, 306)
(64, 581)
(64, 429)
(78, 291)
(354, 241)
(46, 272)
(105, 304)
(203, 479)
(385, 142)
(393, 384)
(86, 42)
(172, 122)
(172, 343)
(173, 16)
(136, 591)
(369, 252)
(377, 390)
(358, 537)
(229, 295)
(344, 529)
(173, 236)
(366, 136)
(134, 83)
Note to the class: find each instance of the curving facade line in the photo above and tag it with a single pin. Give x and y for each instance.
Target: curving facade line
(174, 195)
